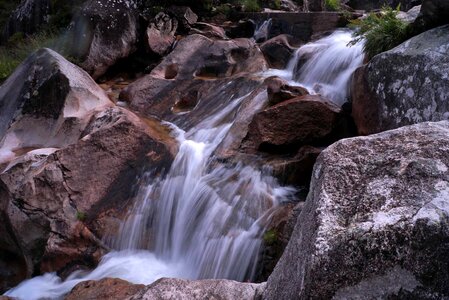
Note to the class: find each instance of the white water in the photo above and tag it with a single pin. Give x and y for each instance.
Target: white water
(329, 65)
(205, 219)
(201, 221)
(262, 30)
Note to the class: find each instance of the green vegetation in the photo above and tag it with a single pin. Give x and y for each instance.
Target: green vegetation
(251, 5)
(270, 236)
(381, 31)
(332, 5)
(19, 47)
(81, 216)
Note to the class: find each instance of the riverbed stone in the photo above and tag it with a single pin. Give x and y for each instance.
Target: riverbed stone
(375, 223)
(406, 85)
(57, 205)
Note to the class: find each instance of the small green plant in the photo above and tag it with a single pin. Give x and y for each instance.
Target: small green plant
(251, 5)
(332, 5)
(381, 31)
(19, 47)
(270, 236)
(81, 216)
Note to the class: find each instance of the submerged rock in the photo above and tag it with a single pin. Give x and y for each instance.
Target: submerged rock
(56, 205)
(46, 102)
(375, 223)
(406, 85)
(101, 33)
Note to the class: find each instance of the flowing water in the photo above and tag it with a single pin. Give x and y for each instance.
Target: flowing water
(325, 67)
(203, 220)
(206, 219)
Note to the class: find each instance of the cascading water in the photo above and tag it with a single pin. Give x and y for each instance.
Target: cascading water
(203, 220)
(325, 67)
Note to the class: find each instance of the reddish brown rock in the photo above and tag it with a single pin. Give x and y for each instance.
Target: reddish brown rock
(105, 289)
(292, 123)
(160, 33)
(199, 56)
(185, 102)
(209, 30)
(279, 90)
(279, 50)
(365, 110)
(56, 205)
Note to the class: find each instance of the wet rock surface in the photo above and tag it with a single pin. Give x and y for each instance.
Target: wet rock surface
(293, 123)
(403, 86)
(279, 50)
(199, 56)
(377, 210)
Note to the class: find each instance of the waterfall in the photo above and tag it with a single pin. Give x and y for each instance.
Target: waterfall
(203, 220)
(262, 31)
(325, 66)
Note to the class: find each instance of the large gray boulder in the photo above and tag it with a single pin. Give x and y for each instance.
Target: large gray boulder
(46, 102)
(101, 33)
(406, 85)
(375, 224)
(170, 288)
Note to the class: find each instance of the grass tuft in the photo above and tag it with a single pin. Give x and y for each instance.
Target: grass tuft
(381, 31)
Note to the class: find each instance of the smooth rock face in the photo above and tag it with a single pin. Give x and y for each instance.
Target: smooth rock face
(292, 123)
(27, 18)
(185, 102)
(199, 56)
(101, 33)
(161, 33)
(406, 85)
(168, 289)
(55, 206)
(46, 102)
(375, 223)
(105, 289)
